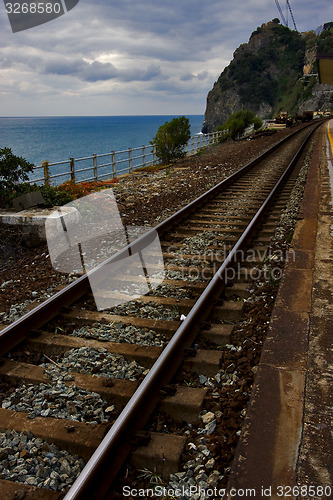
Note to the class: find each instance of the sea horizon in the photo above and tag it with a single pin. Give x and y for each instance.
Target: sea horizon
(92, 116)
(56, 138)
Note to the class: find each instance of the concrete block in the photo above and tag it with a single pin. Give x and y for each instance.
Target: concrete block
(28, 200)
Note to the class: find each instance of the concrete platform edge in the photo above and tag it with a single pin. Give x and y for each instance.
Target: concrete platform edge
(267, 452)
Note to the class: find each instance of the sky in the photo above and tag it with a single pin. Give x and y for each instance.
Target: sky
(129, 57)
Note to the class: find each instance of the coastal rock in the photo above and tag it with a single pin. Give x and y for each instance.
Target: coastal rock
(266, 75)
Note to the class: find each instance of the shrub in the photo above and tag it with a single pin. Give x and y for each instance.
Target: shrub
(54, 197)
(238, 122)
(171, 138)
(257, 122)
(13, 169)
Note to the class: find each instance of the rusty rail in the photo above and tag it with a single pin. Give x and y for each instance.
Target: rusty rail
(113, 450)
(92, 481)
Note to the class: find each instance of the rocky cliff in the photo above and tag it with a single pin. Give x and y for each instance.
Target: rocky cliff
(271, 72)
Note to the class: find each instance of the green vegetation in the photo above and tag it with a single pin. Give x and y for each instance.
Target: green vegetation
(325, 39)
(171, 138)
(269, 69)
(13, 169)
(265, 74)
(52, 195)
(13, 172)
(238, 122)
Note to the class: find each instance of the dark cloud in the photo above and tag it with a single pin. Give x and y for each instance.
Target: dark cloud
(134, 51)
(97, 71)
(64, 66)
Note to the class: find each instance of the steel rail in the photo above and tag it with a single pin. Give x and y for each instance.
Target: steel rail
(99, 472)
(17, 331)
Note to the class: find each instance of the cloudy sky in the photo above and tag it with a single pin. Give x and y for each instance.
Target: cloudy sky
(130, 57)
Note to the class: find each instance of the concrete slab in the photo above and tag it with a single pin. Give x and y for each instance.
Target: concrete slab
(28, 200)
(29, 223)
(267, 452)
(287, 434)
(286, 343)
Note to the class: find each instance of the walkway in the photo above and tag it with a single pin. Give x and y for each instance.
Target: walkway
(286, 447)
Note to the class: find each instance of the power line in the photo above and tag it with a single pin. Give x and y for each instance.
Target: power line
(291, 13)
(281, 13)
(288, 7)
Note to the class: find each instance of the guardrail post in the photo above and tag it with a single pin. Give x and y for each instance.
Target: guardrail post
(95, 167)
(72, 167)
(130, 160)
(46, 168)
(154, 154)
(143, 156)
(113, 160)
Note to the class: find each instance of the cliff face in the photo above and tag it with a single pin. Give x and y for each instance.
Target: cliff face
(266, 74)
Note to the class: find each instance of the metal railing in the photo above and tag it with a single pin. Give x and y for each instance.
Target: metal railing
(99, 167)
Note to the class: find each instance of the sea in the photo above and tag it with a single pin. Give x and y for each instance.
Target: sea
(58, 138)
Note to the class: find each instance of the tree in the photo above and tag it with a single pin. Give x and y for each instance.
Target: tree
(13, 169)
(171, 138)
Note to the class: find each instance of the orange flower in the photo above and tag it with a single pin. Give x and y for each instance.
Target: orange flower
(77, 190)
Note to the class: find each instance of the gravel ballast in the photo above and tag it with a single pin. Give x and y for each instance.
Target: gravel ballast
(57, 400)
(30, 460)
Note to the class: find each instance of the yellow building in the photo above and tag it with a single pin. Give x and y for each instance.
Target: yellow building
(325, 64)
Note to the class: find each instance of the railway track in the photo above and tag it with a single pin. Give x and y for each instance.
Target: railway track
(156, 353)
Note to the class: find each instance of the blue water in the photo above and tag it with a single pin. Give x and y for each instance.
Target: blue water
(59, 138)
